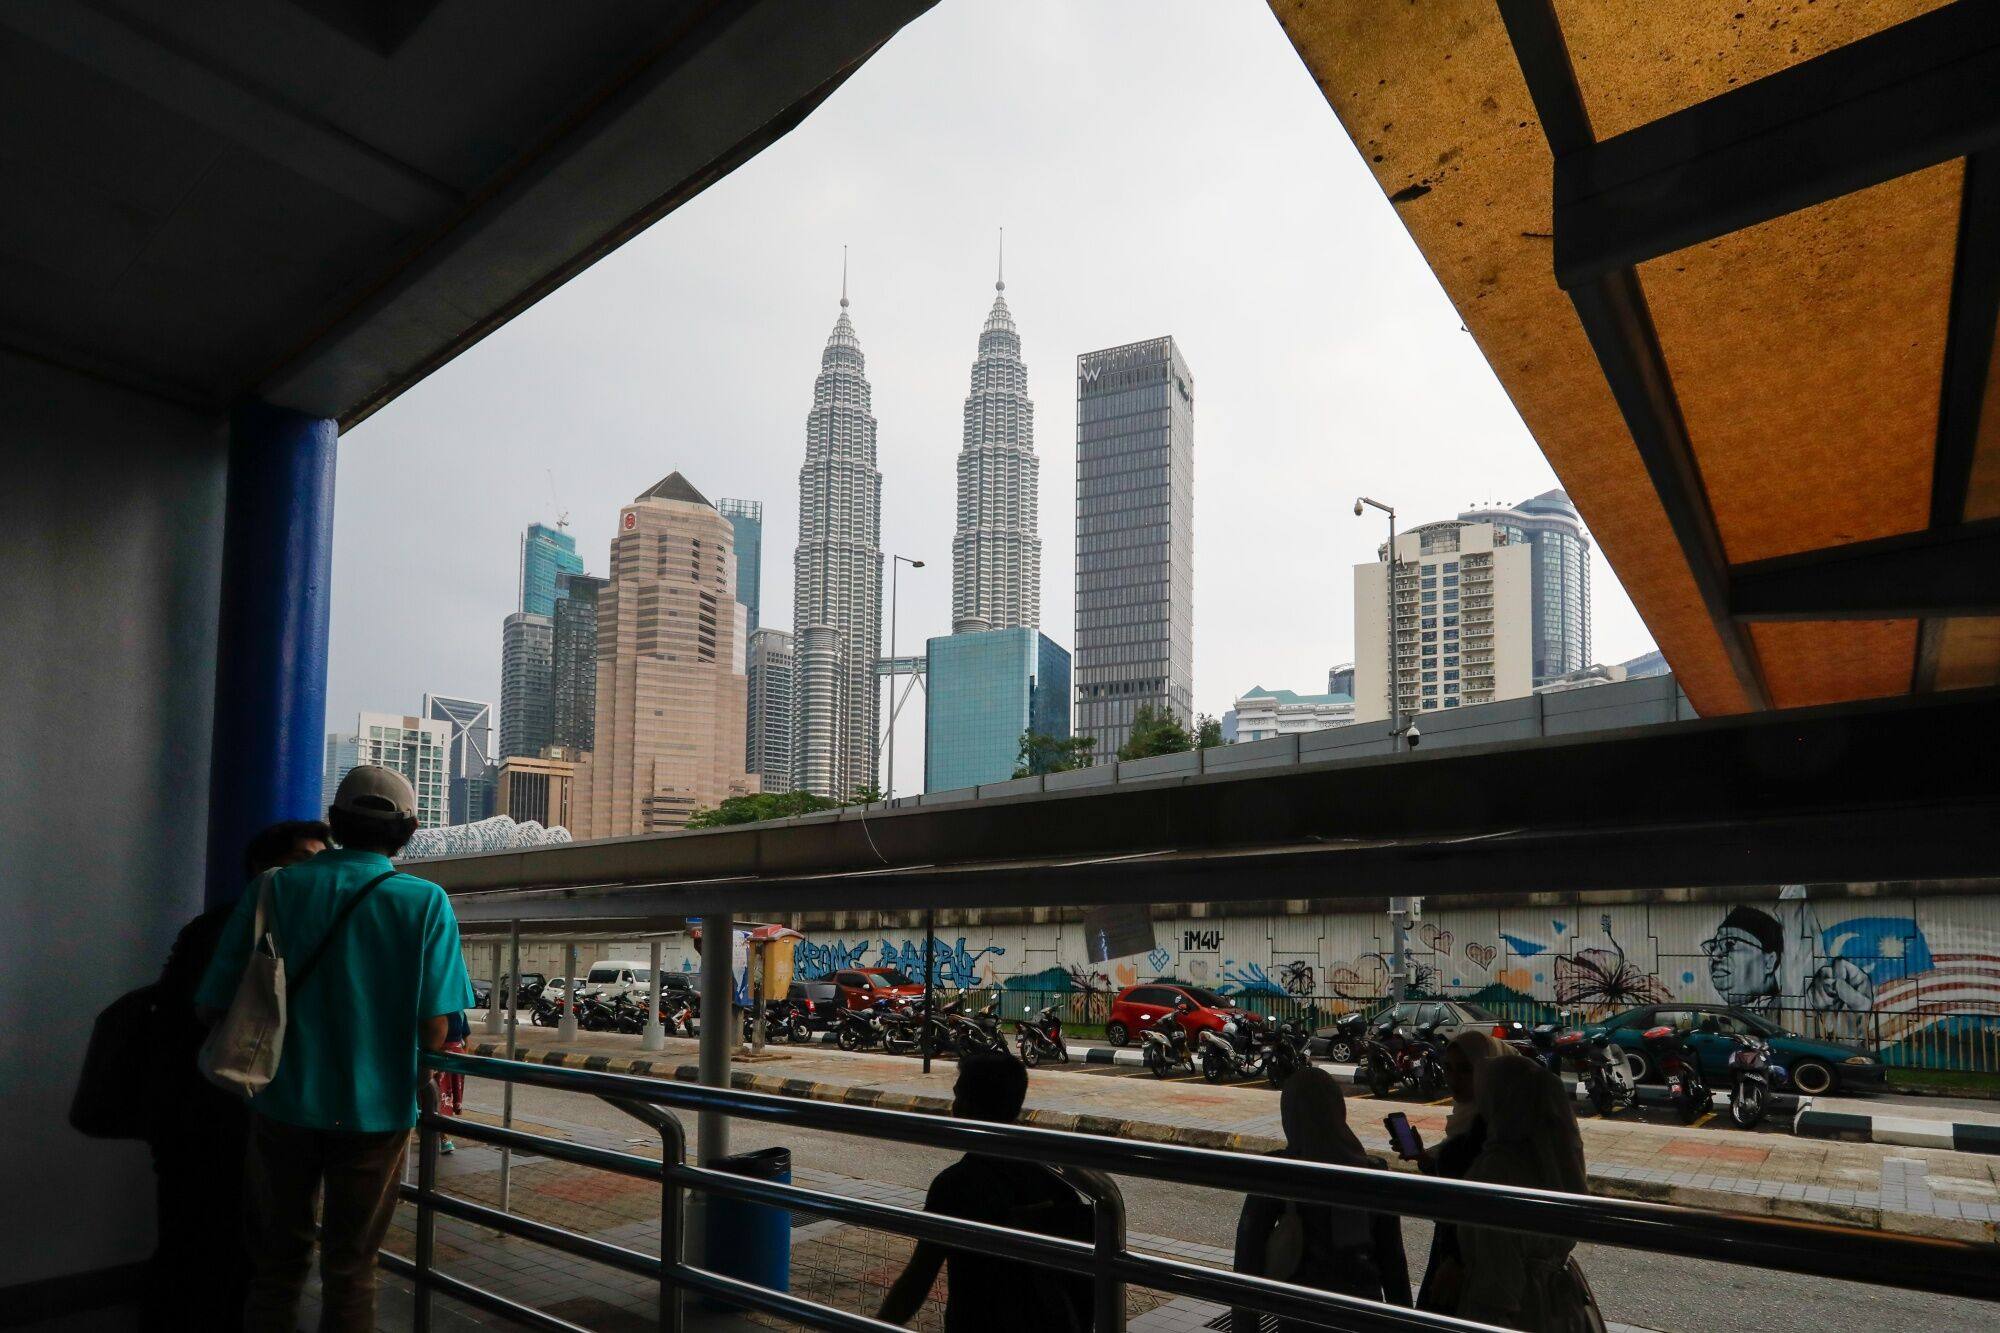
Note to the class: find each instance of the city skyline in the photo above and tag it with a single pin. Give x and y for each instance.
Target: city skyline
(996, 552)
(694, 333)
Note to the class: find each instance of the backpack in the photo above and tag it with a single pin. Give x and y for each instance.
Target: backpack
(1050, 1302)
(107, 1104)
(243, 1049)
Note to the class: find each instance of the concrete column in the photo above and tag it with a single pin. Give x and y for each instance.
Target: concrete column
(270, 676)
(655, 1037)
(493, 1024)
(718, 1029)
(566, 1030)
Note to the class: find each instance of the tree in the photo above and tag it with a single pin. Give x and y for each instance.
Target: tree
(1052, 754)
(1208, 732)
(1155, 732)
(762, 806)
(868, 795)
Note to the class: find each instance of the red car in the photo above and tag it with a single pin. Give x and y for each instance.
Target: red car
(861, 987)
(1139, 1007)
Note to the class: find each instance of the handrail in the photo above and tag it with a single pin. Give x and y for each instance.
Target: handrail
(1947, 1267)
(1951, 1267)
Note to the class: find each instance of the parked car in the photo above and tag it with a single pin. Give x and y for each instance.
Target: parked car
(482, 990)
(1451, 1016)
(862, 987)
(619, 974)
(816, 1002)
(1137, 1008)
(1814, 1066)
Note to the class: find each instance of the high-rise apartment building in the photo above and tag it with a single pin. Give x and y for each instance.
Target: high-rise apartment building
(1559, 582)
(527, 675)
(746, 518)
(1464, 621)
(996, 554)
(768, 749)
(573, 663)
(342, 754)
(837, 578)
(416, 747)
(538, 789)
(545, 554)
(1134, 539)
(469, 766)
(981, 692)
(671, 697)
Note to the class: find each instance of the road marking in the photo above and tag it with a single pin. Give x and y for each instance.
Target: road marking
(1442, 1101)
(1706, 1117)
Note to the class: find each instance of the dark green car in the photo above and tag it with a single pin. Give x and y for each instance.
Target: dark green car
(1812, 1066)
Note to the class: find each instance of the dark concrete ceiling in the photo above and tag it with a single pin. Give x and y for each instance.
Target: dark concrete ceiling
(320, 202)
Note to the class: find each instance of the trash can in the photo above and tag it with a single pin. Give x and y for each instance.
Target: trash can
(752, 1242)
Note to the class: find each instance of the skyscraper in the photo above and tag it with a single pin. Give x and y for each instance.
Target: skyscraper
(983, 691)
(415, 747)
(545, 553)
(527, 666)
(768, 749)
(573, 663)
(670, 687)
(996, 554)
(469, 765)
(1463, 621)
(1559, 577)
(1134, 539)
(342, 754)
(746, 518)
(837, 577)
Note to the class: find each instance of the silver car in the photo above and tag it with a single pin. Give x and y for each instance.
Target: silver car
(1451, 1016)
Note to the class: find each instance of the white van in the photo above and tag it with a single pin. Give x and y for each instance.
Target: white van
(619, 974)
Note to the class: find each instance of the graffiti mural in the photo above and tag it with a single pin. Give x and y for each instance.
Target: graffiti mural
(813, 959)
(1601, 980)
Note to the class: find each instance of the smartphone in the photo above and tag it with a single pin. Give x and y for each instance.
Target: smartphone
(1403, 1135)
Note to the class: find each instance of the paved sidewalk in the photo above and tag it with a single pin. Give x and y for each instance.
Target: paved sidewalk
(1911, 1191)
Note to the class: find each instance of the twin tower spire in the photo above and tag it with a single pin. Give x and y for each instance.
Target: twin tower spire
(838, 565)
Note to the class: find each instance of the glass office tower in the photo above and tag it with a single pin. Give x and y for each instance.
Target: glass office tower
(1560, 577)
(545, 553)
(983, 690)
(1134, 539)
(747, 518)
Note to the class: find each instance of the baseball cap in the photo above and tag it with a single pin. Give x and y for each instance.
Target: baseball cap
(374, 792)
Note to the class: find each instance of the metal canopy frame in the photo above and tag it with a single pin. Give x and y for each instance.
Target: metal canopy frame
(1914, 95)
(1896, 789)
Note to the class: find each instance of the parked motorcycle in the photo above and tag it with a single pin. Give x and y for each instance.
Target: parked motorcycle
(1284, 1051)
(1237, 1049)
(1752, 1077)
(1163, 1045)
(907, 1031)
(972, 1032)
(1349, 1038)
(860, 1029)
(1678, 1065)
(1040, 1038)
(1600, 1065)
(1396, 1056)
(548, 1010)
(783, 1022)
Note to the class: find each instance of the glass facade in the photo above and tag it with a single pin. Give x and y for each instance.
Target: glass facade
(1559, 578)
(573, 663)
(469, 762)
(527, 668)
(545, 553)
(768, 726)
(1134, 539)
(981, 692)
(747, 518)
(414, 747)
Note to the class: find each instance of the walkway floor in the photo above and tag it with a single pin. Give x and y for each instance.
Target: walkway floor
(1908, 1190)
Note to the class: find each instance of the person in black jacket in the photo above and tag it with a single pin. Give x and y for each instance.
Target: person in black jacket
(199, 1133)
(1320, 1245)
(1465, 1136)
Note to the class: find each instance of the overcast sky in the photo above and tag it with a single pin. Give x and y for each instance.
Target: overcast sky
(1160, 168)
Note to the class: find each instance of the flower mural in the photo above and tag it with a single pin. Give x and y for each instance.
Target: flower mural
(1601, 980)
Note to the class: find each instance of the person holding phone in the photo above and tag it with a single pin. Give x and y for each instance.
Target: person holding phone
(1452, 1159)
(1319, 1245)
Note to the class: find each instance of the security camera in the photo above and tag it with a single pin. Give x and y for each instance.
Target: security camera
(1357, 509)
(1413, 735)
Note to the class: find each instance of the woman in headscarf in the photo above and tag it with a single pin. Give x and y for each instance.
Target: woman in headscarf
(1315, 1244)
(1512, 1278)
(1444, 1273)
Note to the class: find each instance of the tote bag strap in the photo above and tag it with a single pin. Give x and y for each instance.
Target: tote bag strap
(298, 979)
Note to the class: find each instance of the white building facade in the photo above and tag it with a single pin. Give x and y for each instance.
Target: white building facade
(996, 554)
(1464, 622)
(837, 578)
(1262, 714)
(418, 748)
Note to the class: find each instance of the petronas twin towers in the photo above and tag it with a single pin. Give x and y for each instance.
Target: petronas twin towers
(837, 569)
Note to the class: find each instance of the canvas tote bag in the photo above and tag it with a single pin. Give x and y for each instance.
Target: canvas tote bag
(242, 1051)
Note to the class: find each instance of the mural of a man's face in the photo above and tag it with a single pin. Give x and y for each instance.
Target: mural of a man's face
(1739, 966)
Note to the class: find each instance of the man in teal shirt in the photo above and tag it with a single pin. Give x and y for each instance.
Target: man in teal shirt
(336, 1117)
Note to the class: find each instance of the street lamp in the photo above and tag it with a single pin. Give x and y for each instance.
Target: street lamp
(895, 561)
(1399, 908)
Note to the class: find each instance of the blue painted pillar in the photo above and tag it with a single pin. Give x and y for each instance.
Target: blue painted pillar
(270, 676)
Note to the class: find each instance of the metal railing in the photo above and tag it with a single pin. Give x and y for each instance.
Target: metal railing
(1956, 1268)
